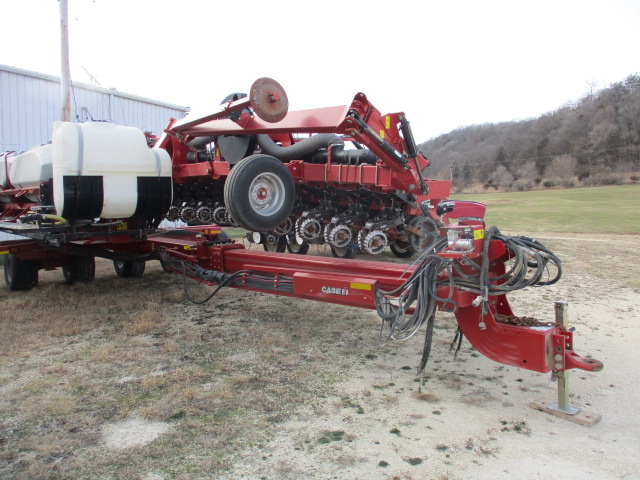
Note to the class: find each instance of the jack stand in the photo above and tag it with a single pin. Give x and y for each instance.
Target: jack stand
(561, 408)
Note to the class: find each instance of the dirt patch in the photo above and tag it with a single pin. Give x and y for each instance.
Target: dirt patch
(133, 432)
(256, 386)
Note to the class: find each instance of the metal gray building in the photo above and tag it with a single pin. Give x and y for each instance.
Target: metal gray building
(30, 102)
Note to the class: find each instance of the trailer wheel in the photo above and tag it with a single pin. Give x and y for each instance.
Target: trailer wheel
(20, 274)
(259, 193)
(129, 268)
(79, 269)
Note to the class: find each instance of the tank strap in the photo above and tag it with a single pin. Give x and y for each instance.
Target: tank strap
(158, 162)
(80, 148)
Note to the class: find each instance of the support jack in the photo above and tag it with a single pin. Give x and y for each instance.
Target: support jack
(562, 408)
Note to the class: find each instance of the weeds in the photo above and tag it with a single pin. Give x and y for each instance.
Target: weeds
(515, 426)
(347, 402)
(332, 436)
(113, 350)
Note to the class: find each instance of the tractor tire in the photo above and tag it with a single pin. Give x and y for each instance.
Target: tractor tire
(259, 193)
(129, 268)
(79, 269)
(20, 274)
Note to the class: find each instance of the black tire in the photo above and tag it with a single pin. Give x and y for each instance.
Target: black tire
(79, 269)
(345, 252)
(298, 248)
(259, 193)
(164, 267)
(280, 246)
(20, 274)
(129, 268)
(402, 252)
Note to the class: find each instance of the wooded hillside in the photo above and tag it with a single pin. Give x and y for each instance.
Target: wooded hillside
(592, 141)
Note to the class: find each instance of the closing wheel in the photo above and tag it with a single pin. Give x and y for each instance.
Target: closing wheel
(79, 269)
(129, 268)
(259, 193)
(204, 214)
(20, 274)
(373, 242)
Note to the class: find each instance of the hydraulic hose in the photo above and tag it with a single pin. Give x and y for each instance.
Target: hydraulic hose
(200, 142)
(406, 308)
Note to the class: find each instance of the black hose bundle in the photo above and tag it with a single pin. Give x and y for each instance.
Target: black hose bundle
(405, 309)
(419, 292)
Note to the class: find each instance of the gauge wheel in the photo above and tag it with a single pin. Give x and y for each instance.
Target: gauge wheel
(275, 244)
(297, 245)
(259, 193)
(343, 252)
(402, 251)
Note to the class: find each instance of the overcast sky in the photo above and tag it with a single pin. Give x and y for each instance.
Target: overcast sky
(445, 63)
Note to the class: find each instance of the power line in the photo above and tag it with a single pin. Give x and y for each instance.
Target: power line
(525, 159)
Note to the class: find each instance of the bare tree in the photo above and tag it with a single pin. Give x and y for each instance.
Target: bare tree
(563, 167)
(502, 177)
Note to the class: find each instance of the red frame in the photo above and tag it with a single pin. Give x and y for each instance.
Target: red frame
(353, 282)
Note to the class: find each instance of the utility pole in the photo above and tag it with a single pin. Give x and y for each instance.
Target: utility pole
(65, 75)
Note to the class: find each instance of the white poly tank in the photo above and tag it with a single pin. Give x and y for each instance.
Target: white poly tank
(28, 169)
(102, 170)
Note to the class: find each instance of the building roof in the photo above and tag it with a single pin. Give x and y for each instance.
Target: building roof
(109, 91)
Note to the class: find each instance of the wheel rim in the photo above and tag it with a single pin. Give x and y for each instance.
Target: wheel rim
(266, 194)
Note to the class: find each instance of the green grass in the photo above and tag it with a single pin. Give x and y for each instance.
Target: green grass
(579, 210)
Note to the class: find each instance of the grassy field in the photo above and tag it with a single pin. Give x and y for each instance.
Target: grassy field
(580, 210)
